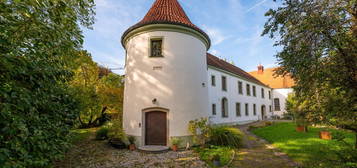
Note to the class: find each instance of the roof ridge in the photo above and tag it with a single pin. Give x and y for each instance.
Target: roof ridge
(222, 64)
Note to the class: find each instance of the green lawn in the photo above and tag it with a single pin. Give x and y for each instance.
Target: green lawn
(305, 148)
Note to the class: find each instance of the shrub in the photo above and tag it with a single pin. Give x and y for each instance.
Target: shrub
(176, 141)
(200, 130)
(102, 133)
(216, 157)
(116, 130)
(131, 139)
(225, 136)
(214, 152)
(38, 41)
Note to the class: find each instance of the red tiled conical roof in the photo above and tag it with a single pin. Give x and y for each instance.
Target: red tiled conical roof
(166, 12)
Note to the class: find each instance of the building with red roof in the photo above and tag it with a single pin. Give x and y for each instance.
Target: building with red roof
(170, 79)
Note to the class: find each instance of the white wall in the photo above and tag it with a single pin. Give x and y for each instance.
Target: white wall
(177, 82)
(282, 95)
(216, 94)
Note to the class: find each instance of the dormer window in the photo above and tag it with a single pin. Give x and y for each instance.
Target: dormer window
(156, 47)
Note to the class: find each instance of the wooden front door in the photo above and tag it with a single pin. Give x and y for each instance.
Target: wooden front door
(155, 128)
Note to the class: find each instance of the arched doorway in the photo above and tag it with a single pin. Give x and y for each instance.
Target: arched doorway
(263, 113)
(155, 128)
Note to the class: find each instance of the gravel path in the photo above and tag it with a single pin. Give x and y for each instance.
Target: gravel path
(91, 153)
(258, 153)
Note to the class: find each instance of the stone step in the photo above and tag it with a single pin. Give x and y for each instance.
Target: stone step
(153, 149)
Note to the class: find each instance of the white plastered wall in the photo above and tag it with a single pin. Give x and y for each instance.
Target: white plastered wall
(282, 95)
(178, 81)
(216, 94)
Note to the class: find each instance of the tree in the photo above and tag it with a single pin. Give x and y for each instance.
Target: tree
(84, 84)
(98, 89)
(319, 40)
(37, 108)
(296, 107)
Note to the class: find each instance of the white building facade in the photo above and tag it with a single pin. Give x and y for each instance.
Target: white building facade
(234, 99)
(170, 80)
(279, 100)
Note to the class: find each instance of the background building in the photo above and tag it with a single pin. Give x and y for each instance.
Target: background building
(281, 86)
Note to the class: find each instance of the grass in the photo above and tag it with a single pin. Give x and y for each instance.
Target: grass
(207, 154)
(78, 135)
(305, 148)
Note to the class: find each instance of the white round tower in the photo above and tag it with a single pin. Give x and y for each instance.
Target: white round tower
(165, 75)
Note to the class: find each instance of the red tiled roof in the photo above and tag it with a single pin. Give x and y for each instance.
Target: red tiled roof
(267, 76)
(166, 12)
(223, 65)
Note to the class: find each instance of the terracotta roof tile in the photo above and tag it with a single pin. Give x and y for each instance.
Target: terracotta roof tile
(223, 65)
(276, 82)
(166, 12)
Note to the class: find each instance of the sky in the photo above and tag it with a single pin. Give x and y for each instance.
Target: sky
(234, 26)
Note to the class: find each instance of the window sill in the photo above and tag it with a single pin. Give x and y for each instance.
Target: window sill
(156, 56)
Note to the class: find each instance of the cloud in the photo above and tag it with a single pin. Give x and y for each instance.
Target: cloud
(113, 17)
(214, 52)
(256, 5)
(215, 34)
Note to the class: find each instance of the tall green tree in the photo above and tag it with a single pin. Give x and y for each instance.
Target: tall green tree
(98, 90)
(38, 38)
(319, 51)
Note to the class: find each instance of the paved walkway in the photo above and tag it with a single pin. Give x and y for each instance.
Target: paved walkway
(257, 153)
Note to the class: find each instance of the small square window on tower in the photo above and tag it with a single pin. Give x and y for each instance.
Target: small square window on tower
(156, 47)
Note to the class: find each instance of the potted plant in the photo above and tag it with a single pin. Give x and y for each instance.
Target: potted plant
(216, 160)
(301, 125)
(175, 143)
(325, 134)
(131, 140)
(300, 128)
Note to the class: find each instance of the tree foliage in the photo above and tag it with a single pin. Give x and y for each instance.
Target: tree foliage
(319, 40)
(38, 38)
(98, 89)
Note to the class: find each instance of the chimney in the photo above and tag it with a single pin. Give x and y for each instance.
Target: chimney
(260, 69)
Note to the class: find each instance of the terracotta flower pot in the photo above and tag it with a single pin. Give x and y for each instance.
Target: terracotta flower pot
(132, 147)
(325, 135)
(174, 147)
(300, 128)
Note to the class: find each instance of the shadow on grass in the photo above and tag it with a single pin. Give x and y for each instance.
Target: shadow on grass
(305, 148)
